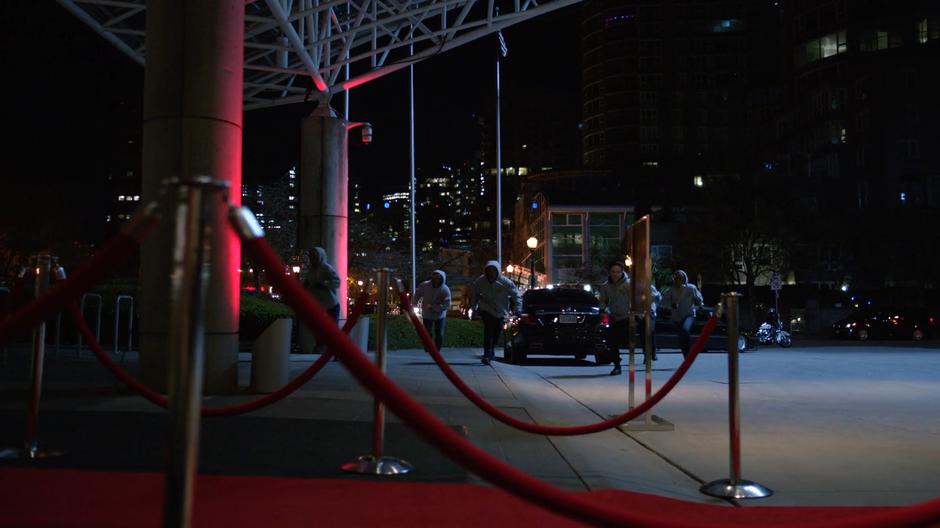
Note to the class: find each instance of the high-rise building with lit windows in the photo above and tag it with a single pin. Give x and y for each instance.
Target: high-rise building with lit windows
(861, 81)
(666, 90)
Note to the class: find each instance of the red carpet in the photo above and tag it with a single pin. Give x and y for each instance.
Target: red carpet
(64, 497)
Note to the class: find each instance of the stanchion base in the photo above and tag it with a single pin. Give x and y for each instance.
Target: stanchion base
(386, 465)
(741, 489)
(34, 453)
(655, 423)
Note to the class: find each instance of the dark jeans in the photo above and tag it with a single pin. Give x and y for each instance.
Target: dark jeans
(618, 335)
(683, 328)
(492, 326)
(435, 327)
(334, 314)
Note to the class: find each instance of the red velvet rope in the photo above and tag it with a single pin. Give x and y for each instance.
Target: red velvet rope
(482, 463)
(554, 430)
(227, 410)
(104, 262)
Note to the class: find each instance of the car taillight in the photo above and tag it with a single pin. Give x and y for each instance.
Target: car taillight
(605, 319)
(528, 319)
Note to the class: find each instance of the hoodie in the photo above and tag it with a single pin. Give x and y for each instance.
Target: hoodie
(499, 298)
(614, 297)
(322, 281)
(434, 301)
(682, 300)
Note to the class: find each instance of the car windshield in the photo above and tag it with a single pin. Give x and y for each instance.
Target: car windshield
(556, 297)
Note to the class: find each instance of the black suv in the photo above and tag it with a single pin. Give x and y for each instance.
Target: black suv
(563, 321)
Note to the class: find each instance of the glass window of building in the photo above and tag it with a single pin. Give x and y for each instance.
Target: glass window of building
(874, 40)
(928, 29)
(604, 234)
(567, 243)
(823, 47)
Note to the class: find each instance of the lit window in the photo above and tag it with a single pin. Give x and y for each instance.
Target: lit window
(826, 46)
(874, 40)
(121, 198)
(136, 197)
(927, 30)
(903, 197)
(698, 181)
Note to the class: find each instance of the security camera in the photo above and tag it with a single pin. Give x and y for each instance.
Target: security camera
(366, 133)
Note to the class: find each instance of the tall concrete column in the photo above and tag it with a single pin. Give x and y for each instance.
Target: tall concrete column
(192, 127)
(324, 187)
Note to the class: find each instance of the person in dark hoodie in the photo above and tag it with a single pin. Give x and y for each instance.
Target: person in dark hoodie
(614, 297)
(435, 300)
(322, 281)
(683, 299)
(494, 297)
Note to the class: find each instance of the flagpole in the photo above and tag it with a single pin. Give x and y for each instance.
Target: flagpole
(499, 164)
(411, 164)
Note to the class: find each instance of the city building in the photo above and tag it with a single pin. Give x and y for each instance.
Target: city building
(666, 90)
(856, 134)
(275, 206)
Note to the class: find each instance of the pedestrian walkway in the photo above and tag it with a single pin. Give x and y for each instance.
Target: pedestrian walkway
(850, 426)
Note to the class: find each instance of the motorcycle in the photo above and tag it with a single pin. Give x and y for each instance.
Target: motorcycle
(772, 331)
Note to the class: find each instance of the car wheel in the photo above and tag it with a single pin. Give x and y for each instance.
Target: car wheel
(918, 334)
(863, 335)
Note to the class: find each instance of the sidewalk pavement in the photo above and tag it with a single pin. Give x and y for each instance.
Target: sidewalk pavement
(833, 425)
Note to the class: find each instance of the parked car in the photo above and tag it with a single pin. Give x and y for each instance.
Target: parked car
(666, 336)
(886, 323)
(563, 321)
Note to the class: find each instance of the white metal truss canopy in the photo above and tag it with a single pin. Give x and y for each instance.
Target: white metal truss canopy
(299, 49)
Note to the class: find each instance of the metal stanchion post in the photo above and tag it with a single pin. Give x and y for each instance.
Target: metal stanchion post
(189, 281)
(59, 273)
(117, 324)
(31, 449)
(735, 487)
(631, 374)
(648, 363)
(377, 463)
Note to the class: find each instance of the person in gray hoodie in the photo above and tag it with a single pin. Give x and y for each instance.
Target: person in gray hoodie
(322, 281)
(435, 300)
(494, 297)
(682, 298)
(614, 297)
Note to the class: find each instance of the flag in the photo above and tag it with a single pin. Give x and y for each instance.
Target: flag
(503, 49)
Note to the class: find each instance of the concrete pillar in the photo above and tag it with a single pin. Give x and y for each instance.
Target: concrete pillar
(192, 127)
(324, 186)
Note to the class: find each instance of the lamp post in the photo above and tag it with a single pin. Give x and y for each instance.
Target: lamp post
(532, 243)
(509, 269)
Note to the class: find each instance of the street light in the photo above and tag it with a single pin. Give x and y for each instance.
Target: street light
(509, 269)
(532, 243)
(627, 261)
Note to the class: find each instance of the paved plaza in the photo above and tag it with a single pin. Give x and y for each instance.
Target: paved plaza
(821, 425)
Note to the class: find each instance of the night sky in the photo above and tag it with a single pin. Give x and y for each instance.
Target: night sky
(71, 102)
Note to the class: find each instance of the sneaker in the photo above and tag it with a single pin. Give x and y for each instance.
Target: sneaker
(486, 360)
(616, 371)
